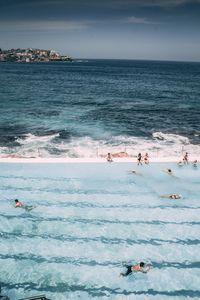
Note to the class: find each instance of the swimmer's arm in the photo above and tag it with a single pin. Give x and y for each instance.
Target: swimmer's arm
(147, 269)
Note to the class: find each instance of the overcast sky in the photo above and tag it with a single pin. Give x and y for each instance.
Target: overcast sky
(127, 29)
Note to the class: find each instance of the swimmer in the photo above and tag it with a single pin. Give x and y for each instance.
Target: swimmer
(172, 196)
(18, 203)
(175, 196)
(180, 163)
(109, 158)
(141, 267)
(194, 163)
(168, 171)
(135, 172)
(21, 205)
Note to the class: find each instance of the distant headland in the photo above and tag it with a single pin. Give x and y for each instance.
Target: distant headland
(31, 55)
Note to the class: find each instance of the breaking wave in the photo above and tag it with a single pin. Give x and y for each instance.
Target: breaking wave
(159, 145)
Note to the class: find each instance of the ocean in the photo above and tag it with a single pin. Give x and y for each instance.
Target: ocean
(87, 108)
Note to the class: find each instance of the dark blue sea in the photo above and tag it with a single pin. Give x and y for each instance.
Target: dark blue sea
(86, 108)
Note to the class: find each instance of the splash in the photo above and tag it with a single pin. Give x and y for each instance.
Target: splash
(159, 145)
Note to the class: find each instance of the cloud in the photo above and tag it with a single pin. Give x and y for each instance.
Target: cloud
(42, 25)
(94, 3)
(153, 3)
(136, 20)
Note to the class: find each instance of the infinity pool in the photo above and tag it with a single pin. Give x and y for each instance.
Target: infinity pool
(89, 220)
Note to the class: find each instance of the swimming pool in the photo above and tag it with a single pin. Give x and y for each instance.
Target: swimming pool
(92, 218)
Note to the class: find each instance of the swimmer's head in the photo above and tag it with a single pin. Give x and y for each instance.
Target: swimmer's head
(142, 264)
(169, 170)
(16, 200)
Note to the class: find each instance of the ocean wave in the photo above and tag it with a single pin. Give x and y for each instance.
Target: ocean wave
(159, 145)
(171, 138)
(33, 139)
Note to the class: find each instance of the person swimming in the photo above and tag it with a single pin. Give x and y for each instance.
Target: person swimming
(21, 205)
(18, 203)
(175, 196)
(169, 172)
(194, 163)
(141, 267)
(135, 172)
(172, 196)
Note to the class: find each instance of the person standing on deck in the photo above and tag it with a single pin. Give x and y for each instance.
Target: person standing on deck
(146, 159)
(139, 159)
(185, 159)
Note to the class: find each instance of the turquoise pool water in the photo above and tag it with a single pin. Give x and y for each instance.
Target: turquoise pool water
(89, 220)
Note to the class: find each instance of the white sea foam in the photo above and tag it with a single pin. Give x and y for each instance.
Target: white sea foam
(34, 139)
(171, 138)
(160, 145)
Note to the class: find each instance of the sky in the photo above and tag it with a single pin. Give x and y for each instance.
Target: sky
(118, 29)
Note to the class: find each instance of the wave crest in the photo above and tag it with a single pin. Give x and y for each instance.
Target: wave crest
(160, 145)
(171, 138)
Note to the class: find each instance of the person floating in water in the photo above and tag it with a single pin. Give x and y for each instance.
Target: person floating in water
(109, 158)
(172, 196)
(21, 205)
(175, 196)
(146, 159)
(141, 267)
(18, 203)
(135, 172)
(180, 163)
(168, 171)
(185, 159)
(194, 163)
(139, 159)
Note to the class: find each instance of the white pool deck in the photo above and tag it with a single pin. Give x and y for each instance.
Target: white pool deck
(89, 160)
